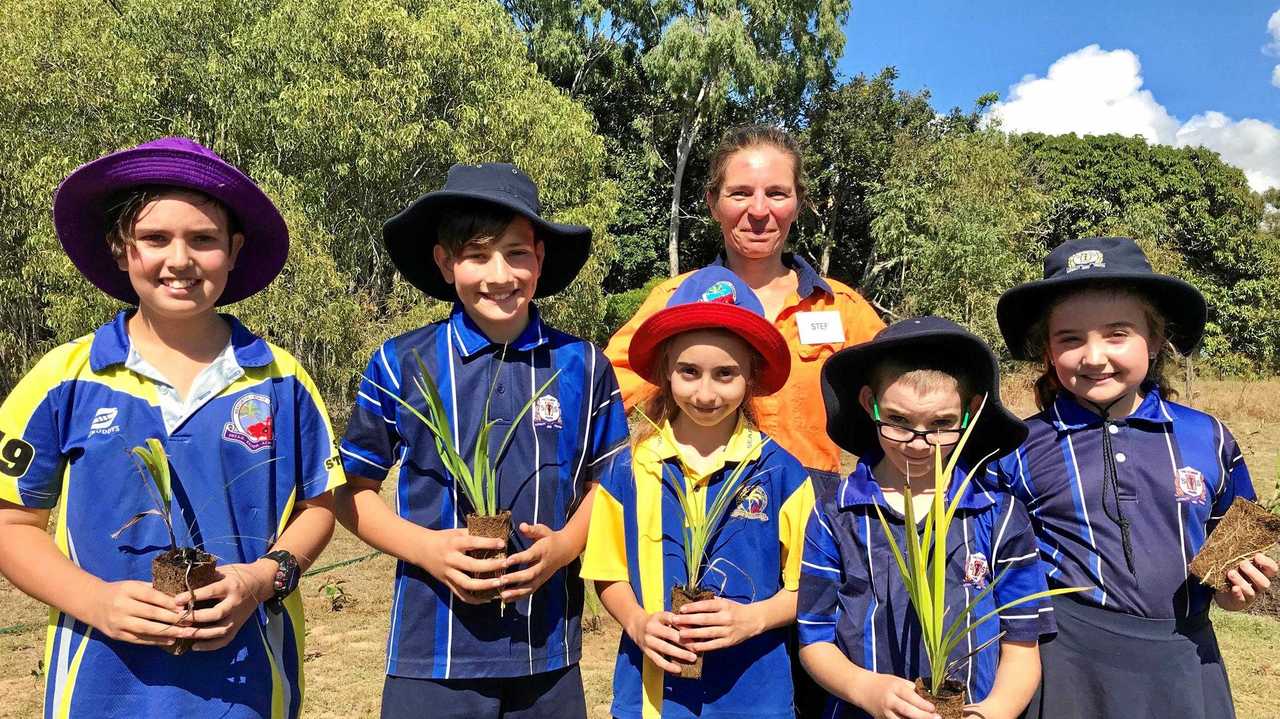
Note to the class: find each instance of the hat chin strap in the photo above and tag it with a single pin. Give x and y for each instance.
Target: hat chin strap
(1111, 483)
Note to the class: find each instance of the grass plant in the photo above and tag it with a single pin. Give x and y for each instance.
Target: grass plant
(923, 567)
(478, 477)
(702, 523)
(153, 464)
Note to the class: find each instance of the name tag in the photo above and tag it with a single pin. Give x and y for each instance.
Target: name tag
(820, 328)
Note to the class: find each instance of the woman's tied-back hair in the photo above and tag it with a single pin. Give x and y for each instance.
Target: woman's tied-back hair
(124, 207)
(1047, 385)
(749, 136)
(661, 405)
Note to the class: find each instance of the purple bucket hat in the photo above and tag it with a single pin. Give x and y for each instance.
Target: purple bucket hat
(79, 212)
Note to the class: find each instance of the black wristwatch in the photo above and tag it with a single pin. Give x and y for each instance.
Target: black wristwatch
(286, 579)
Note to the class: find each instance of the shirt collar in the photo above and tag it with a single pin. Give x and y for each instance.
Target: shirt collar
(1068, 415)
(472, 340)
(860, 488)
(111, 344)
(745, 443)
(808, 281)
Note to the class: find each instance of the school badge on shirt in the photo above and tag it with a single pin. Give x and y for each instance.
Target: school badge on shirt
(752, 502)
(546, 412)
(1188, 486)
(250, 423)
(976, 570)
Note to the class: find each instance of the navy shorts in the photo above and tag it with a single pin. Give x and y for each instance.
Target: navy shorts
(550, 695)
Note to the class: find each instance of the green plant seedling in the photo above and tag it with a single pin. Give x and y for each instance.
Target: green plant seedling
(923, 566)
(478, 477)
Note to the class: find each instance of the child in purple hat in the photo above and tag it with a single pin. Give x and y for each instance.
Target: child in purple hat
(175, 231)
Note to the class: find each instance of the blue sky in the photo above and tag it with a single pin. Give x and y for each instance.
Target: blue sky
(1176, 72)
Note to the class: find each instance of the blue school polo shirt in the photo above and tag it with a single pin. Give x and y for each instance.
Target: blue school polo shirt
(636, 537)
(240, 461)
(852, 595)
(1177, 469)
(564, 442)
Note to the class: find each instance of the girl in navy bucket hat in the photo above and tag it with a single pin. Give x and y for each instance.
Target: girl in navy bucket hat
(1124, 486)
(706, 353)
(171, 229)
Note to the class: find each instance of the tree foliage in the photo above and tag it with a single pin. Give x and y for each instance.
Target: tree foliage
(344, 111)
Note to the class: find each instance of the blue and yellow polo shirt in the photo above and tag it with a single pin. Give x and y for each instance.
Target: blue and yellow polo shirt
(568, 439)
(1177, 472)
(852, 595)
(636, 536)
(241, 458)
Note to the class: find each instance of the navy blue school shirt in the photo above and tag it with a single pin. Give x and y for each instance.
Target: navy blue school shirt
(1177, 469)
(563, 443)
(852, 595)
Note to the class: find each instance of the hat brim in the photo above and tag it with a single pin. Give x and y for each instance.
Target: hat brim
(79, 216)
(410, 238)
(1180, 303)
(997, 432)
(754, 329)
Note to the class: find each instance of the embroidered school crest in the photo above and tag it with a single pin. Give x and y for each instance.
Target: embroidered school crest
(752, 502)
(1189, 486)
(976, 570)
(1085, 259)
(251, 423)
(546, 412)
(721, 292)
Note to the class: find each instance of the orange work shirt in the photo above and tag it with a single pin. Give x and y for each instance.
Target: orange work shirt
(794, 416)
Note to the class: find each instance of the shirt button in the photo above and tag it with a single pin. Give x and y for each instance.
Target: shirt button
(1113, 429)
(1120, 457)
(500, 389)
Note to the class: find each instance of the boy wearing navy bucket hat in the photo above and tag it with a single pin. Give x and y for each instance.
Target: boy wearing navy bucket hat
(482, 244)
(894, 401)
(707, 353)
(175, 231)
(1126, 484)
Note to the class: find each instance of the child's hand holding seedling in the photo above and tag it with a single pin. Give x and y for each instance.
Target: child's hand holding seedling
(444, 555)
(659, 640)
(550, 551)
(134, 612)
(237, 593)
(1249, 578)
(718, 623)
(885, 696)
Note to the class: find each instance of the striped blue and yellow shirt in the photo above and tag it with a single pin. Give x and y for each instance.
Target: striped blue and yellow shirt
(241, 458)
(636, 537)
(1177, 471)
(565, 441)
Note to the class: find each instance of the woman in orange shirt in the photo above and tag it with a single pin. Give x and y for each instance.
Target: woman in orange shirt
(755, 192)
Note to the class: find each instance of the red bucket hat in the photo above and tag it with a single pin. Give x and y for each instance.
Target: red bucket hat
(80, 212)
(714, 298)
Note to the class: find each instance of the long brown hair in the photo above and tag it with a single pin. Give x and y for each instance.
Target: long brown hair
(661, 406)
(748, 136)
(1047, 385)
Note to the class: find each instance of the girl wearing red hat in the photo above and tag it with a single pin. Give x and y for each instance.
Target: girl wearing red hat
(707, 353)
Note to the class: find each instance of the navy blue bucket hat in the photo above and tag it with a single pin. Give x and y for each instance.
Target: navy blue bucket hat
(1117, 261)
(411, 236)
(849, 370)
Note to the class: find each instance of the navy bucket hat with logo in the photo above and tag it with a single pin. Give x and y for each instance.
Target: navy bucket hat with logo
(1114, 261)
(411, 236)
(844, 375)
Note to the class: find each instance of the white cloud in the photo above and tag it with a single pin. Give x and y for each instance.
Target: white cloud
(1273, 47)
(1096, 92)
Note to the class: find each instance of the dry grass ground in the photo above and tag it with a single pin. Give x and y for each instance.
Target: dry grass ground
(344, 660)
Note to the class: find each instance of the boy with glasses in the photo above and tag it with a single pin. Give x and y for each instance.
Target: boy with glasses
(894, 402)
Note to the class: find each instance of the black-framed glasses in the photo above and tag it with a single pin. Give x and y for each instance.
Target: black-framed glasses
(933, 437)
